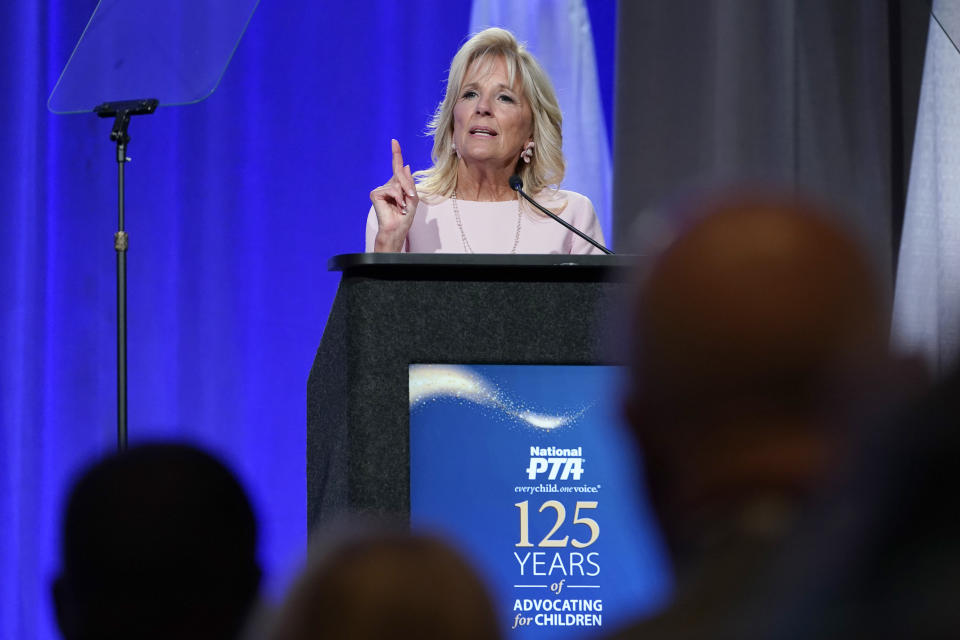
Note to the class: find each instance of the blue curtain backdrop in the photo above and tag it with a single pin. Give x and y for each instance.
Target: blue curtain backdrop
(234, 206)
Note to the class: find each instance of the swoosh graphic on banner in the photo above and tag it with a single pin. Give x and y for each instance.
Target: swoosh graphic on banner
(428, 382)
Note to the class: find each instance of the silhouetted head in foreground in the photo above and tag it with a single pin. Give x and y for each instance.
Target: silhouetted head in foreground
(753, 333)
(158, 542)
(386, 585)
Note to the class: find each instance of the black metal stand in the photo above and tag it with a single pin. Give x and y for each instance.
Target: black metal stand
(122, 111)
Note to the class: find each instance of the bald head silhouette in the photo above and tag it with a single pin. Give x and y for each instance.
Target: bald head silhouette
(750, 333)
(159, 541)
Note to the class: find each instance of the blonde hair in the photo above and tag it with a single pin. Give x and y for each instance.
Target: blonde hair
(547, 165)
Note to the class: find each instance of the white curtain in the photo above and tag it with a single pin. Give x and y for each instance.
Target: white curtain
(926, 315)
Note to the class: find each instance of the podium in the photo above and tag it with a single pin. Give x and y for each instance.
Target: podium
(394, 310)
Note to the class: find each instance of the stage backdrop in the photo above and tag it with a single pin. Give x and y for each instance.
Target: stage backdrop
(234, 206)
(817, 95)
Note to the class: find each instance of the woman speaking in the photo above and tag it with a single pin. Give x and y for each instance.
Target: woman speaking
(499, 117)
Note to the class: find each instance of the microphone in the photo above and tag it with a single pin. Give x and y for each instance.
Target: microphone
(517, 185)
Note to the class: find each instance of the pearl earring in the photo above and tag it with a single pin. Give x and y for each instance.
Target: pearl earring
(527, 153)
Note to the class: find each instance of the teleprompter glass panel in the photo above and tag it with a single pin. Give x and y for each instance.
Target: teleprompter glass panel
(173, 50)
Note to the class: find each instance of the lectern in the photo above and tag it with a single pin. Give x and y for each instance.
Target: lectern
(394, 310)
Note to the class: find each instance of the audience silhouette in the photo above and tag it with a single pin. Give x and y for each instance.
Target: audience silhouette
(159, 541)
(384, 584)
(758, 335)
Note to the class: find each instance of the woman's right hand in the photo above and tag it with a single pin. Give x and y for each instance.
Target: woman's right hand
(395, 204)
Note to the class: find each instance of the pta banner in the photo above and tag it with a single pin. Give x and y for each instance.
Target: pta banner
(529, 470)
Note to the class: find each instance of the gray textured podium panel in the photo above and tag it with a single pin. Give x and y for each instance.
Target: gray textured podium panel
(387, 317)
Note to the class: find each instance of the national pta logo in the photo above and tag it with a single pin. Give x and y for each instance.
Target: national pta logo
(558, 464)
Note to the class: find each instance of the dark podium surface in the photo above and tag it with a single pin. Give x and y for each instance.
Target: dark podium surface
(393, 310)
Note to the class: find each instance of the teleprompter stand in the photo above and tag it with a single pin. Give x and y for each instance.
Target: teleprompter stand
(176, 51)
(121, 113)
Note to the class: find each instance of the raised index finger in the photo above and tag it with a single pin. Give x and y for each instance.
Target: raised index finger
(397, 158)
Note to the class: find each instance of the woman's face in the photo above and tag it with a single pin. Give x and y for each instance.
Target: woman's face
(491, 119)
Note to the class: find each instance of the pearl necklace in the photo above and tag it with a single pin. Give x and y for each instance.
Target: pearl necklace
(463, 236)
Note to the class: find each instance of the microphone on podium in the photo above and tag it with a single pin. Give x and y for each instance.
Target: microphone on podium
(517, 185)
